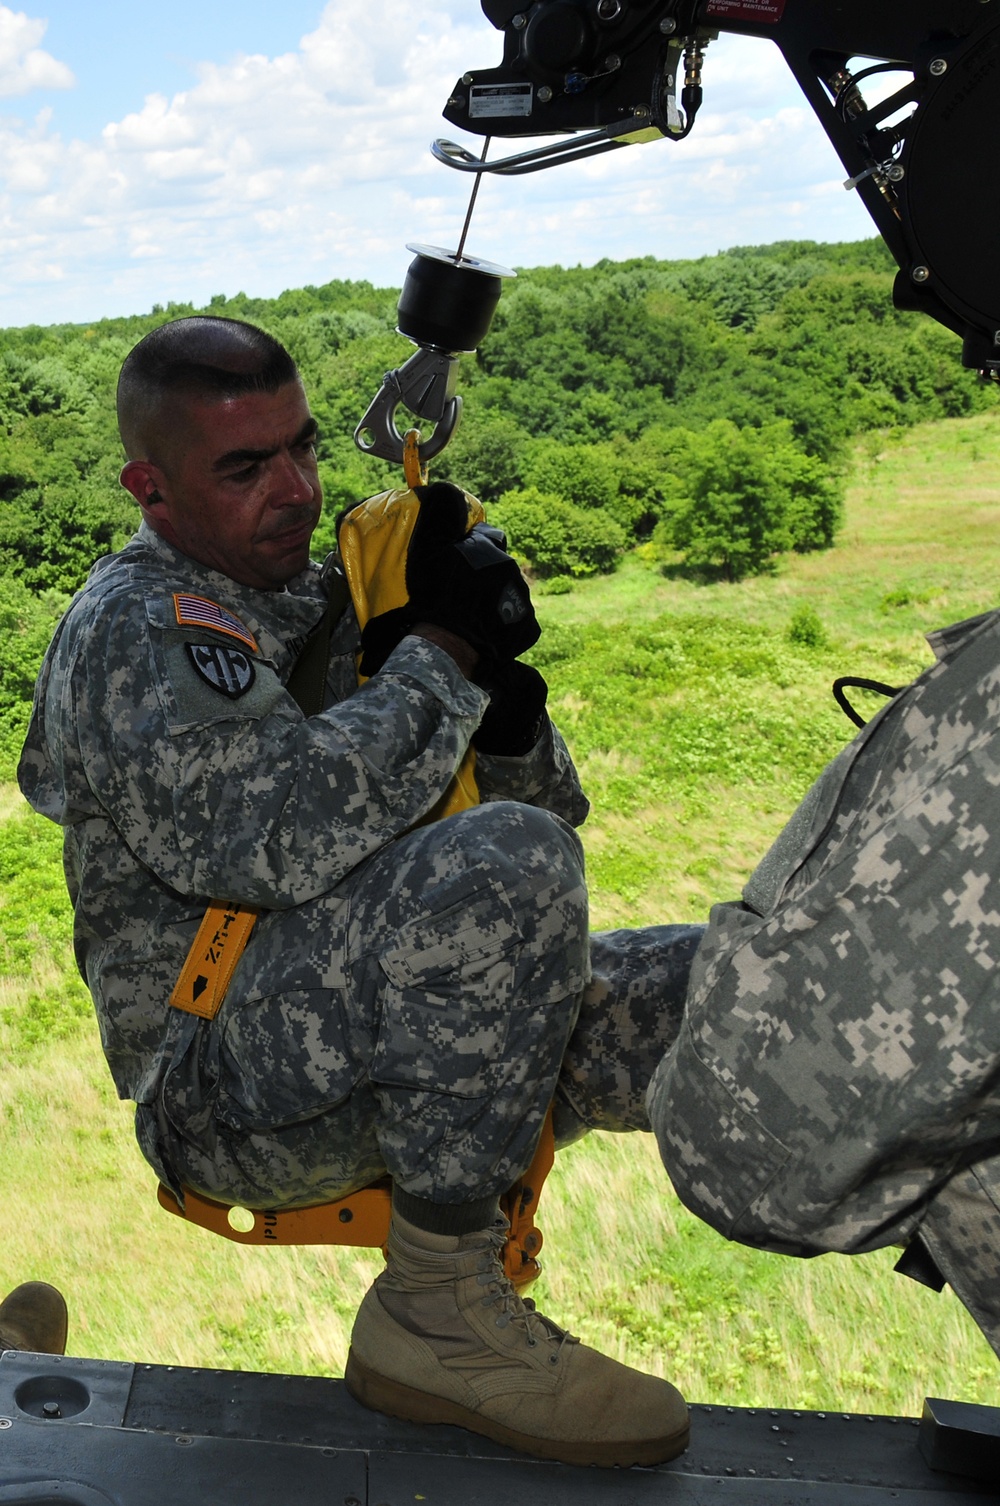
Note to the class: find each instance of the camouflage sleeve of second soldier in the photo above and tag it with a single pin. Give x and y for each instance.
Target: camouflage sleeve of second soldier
(837, 1055)
(219, 784)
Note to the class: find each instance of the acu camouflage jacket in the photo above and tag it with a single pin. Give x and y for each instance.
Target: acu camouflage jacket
(164, 742)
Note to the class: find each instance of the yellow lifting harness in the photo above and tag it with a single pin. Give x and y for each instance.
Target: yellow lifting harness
(374, 538)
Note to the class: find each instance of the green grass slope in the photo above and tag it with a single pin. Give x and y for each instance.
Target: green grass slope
(699, 715)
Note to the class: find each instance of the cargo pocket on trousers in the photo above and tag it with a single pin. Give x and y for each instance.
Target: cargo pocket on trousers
(284, 1060)
(446, 996)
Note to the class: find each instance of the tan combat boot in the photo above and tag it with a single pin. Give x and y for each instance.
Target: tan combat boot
(33, 1317)
(442, 1336)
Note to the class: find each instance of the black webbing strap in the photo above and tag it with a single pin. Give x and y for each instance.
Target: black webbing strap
(307, 682)
(851, 682)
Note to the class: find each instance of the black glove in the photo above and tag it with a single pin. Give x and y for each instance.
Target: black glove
(457, 578)
(512, 722)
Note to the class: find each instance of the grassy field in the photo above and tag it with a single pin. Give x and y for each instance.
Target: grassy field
(698, 721)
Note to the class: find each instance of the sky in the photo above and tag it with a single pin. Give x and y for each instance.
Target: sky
(164, 152)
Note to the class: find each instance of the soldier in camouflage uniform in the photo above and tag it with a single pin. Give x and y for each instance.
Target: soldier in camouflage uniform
(412, 997)
(836, 1081)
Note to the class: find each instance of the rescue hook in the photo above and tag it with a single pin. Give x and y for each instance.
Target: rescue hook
(446, 307)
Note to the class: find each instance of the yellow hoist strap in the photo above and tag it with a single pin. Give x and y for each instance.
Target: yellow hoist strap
(413, 468)
(374, 538)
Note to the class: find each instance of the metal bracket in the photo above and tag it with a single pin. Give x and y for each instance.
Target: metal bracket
(607, 139)
(425, 385)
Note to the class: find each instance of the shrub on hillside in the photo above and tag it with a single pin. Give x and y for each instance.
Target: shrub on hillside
(584, 475)
(485, 455)
(805, 628)
(556, 538)
(51, 534)
(614, 477)
(745, 496)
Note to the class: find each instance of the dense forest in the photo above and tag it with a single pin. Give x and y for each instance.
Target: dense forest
(698, 408)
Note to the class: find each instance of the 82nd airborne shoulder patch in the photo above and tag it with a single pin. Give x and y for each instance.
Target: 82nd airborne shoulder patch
(226, 669)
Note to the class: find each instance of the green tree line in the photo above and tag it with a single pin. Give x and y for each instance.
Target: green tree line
(700, 408)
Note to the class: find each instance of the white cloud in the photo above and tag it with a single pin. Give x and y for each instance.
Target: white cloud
(23, 65)
(273, 172)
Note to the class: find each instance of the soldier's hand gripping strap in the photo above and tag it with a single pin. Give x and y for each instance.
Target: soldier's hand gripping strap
(456, 574)
(374, 539)
(512, 722)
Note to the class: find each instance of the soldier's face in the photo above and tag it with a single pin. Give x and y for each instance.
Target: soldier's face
(240, 489)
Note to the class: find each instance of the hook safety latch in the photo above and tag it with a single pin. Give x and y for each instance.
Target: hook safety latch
(425, 385)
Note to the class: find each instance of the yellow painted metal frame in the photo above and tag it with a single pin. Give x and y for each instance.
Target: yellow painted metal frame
(362, 1218)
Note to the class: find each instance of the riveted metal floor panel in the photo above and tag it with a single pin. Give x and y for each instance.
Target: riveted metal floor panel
(83, 1432)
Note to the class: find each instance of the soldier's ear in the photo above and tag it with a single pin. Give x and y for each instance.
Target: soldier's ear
(144, 480)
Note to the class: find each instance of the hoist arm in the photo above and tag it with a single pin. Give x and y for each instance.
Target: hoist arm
(601, 74)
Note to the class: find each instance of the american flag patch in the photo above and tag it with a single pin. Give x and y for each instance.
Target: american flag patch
(198, 611)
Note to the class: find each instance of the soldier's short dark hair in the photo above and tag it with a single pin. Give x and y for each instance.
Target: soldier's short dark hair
(201, 357)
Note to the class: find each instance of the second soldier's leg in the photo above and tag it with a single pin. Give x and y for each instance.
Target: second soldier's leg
(33, 1317)
(630, 1015)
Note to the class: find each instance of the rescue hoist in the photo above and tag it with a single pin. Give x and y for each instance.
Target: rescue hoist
(445, 308)
(603, 74)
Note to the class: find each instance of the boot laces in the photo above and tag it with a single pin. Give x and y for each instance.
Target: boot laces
(512, 1308)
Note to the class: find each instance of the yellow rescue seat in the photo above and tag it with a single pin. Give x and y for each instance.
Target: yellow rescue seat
(374, 537)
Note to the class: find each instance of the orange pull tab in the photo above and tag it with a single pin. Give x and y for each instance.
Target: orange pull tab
(211, 961)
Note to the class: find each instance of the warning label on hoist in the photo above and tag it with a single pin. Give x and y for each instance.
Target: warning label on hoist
(768, 11)
(486, 100)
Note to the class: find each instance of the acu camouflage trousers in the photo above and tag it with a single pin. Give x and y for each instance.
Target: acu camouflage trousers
(420, 1019)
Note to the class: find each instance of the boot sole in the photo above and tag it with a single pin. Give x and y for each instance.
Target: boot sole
(381, 1394)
